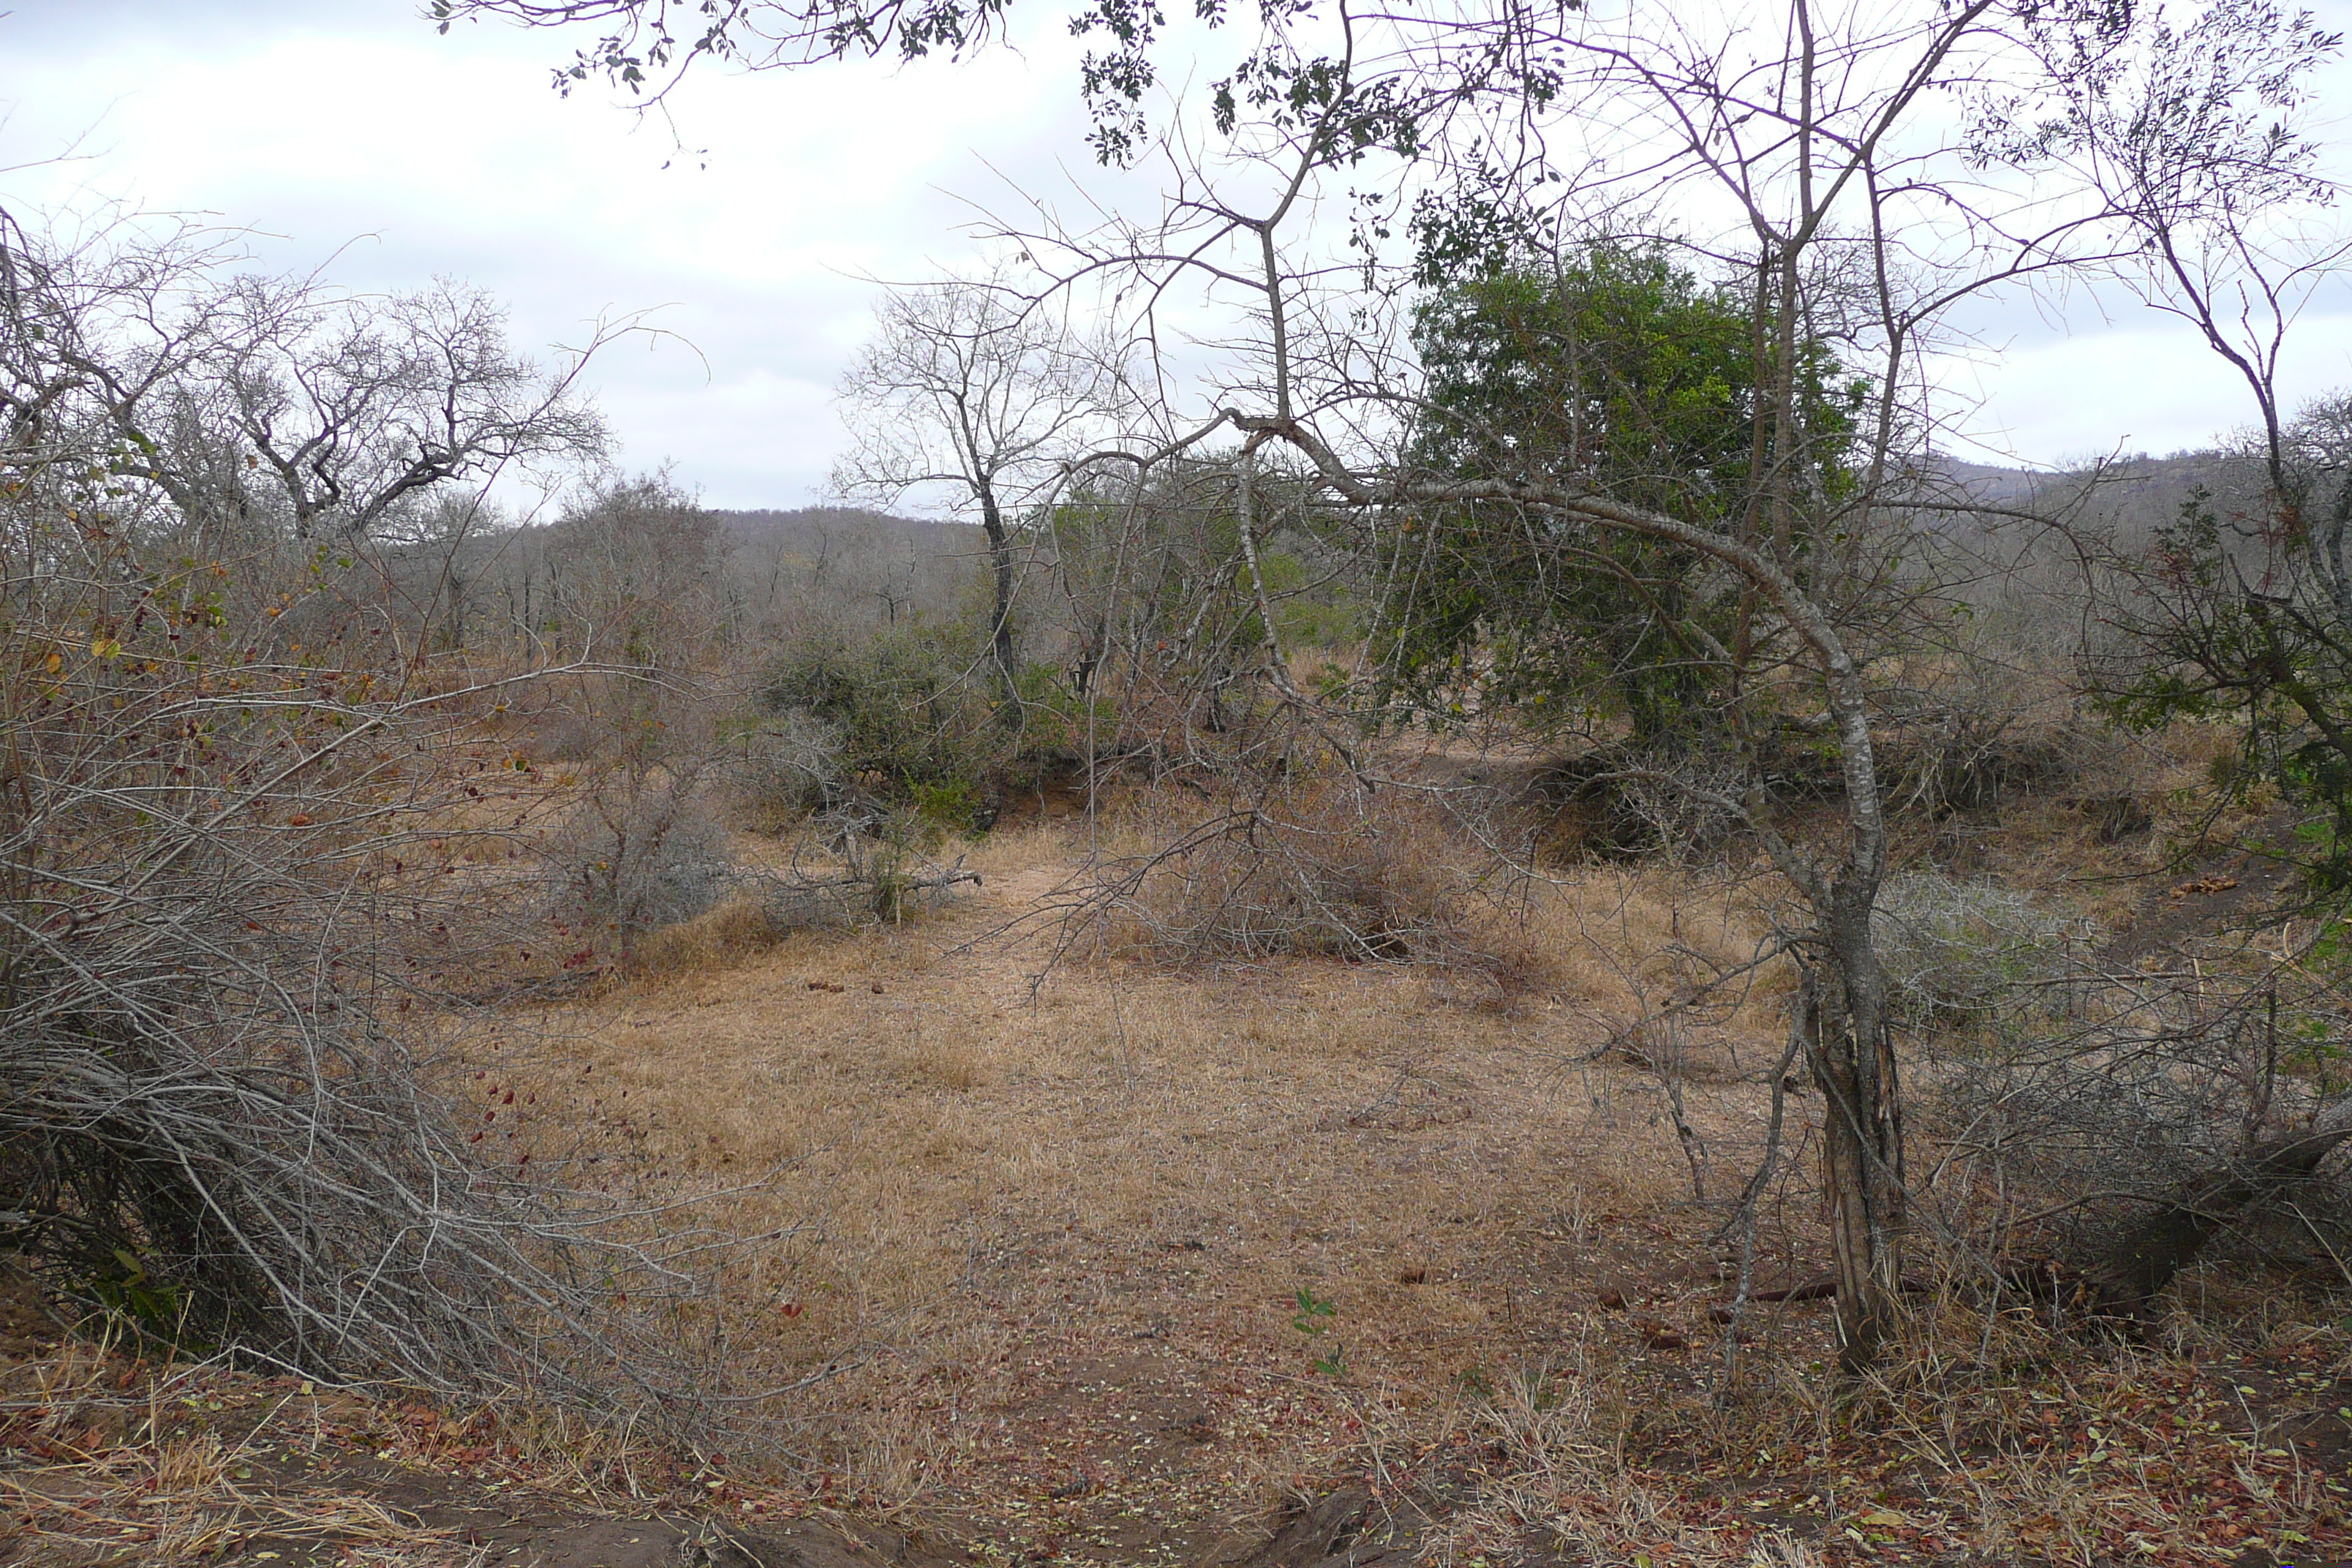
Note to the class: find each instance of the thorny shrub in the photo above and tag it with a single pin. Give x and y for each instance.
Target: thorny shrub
(2135, 1134)
(641, 853)
(1958, 951)
(1324, 869)
(784, 767)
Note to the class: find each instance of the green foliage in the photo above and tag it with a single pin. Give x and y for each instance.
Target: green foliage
(910, 717)
(1308, 613)
(151, 1308)
(1615, 363)
(1615, 371)
(1313, 1319)
(2244, 621)
(909, 708)
(1158, 591)
(946, 803)
(1059, 725)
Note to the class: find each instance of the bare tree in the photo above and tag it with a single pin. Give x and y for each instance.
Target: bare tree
(357, 408)
(2194, 134)
(288, 403)
(247, 890)
(967, 388)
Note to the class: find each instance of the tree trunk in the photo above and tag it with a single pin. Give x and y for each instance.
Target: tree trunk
(1000, 634)
(1852, 1052)
(2144, 1259)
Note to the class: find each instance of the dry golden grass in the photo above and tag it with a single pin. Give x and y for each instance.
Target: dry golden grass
(726, 934)
(990, 1175)
(191, 1496)
(1027, 1210)
(110, 1461)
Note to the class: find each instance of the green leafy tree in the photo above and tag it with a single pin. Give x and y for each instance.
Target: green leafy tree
(1609, 367)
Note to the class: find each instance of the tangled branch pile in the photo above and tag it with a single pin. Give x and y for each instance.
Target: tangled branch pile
(2173, 1120)
(1324, 869)
(243, 869)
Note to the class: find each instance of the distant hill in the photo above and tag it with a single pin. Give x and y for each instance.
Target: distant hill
(2130, 476)
(2122, 503)
(809, 569)
(811, 530)
(1990, 484)
(850, 564)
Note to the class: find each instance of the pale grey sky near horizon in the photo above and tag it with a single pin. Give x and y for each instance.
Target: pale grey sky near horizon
(353, 128)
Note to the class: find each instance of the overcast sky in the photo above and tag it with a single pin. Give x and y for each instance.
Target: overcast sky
(349, 123)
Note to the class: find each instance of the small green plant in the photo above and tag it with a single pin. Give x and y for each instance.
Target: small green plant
(948, 803)
(129, 1296)
(1313, 1312)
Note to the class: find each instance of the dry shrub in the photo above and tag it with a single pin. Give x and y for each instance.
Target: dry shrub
(644, 865)
(1326, 871)
(564, 720)
(786, 769)
(2123, 1440)
(1972, 755)
(1958, 951)
(2144, 1132)
(1122, 827)
(1573, 1448)
(1614, 803)
(1999, 1436)
(258, 880)
(1678, 968)
(643, 852)
(234, 1105)
(737, 927)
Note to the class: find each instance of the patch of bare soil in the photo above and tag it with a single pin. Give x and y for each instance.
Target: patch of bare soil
(2225, 890)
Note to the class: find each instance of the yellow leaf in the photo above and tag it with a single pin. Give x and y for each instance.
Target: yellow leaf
(57, 662)
(106, 647)
(1884, 1519)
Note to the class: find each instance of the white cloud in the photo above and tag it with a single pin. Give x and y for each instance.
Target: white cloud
(2143, 383)
(453, 157)
(315, 124)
